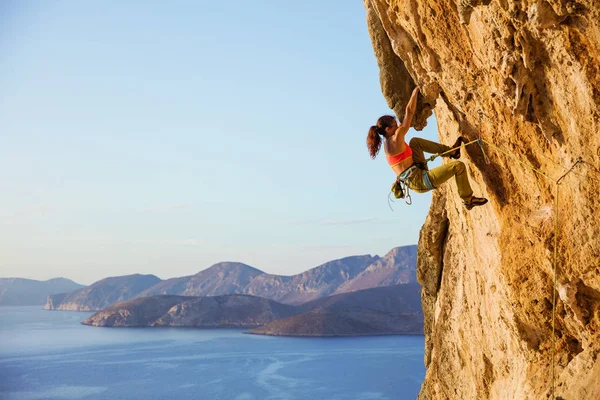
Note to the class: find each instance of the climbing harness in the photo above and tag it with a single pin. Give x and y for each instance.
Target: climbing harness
(427, 181)
(400, 187)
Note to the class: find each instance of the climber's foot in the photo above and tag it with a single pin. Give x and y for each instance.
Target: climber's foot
(474, 202)
(456, 154)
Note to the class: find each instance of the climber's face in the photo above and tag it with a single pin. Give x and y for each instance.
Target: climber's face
(392, 128)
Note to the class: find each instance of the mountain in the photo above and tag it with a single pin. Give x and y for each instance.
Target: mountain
(29, 292)
(398, 266)
(317, 282)
(221, 278)
(237, 278)
(240, 311)
(377, 311)
(102, 294)
(230, 278)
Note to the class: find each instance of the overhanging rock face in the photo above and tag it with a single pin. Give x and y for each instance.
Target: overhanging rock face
(525, 77)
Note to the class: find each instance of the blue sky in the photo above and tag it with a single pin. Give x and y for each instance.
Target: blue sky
(163, 137)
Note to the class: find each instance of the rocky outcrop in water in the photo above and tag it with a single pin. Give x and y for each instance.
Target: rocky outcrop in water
(524, 76)
(29, 292)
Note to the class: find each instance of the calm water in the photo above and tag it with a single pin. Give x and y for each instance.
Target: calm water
(49, 355)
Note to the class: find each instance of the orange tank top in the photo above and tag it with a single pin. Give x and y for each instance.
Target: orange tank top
(398, 158)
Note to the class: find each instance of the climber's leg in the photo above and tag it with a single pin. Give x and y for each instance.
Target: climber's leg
(439, 175)
(417, 182)
(419, 146)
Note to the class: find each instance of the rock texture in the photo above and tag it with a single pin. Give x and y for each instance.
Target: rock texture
(29, 292)
(524, 76)
(102, 293)
(388, 310)
(228, 311)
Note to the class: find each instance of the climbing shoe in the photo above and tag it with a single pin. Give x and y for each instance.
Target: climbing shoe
(456, 154)
(474, 202)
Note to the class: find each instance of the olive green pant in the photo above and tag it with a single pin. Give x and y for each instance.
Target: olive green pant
(438, 175)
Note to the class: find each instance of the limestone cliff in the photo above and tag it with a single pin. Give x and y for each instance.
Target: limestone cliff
(525, 77)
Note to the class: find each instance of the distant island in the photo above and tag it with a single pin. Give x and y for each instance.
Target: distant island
(377, 311)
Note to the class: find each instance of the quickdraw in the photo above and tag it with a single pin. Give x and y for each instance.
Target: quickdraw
(400, 188)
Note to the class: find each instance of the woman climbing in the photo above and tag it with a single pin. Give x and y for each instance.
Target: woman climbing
(408, 160)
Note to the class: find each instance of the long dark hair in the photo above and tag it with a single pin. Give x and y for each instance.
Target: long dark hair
(374, 138)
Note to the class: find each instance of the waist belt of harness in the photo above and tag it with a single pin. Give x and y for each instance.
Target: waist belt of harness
(427, 181)
(405, 176)
(407, 173)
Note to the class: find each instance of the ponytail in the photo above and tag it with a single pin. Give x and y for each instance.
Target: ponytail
(373, 138)
(373, 141)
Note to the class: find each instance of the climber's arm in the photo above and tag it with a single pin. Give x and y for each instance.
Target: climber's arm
(411, 108)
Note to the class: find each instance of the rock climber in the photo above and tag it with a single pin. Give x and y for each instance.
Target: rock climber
(408, 160)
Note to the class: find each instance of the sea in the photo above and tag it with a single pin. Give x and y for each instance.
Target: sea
(50, 355)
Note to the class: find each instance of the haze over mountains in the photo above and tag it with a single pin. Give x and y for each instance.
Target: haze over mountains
(30, 292)
(338, 276)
